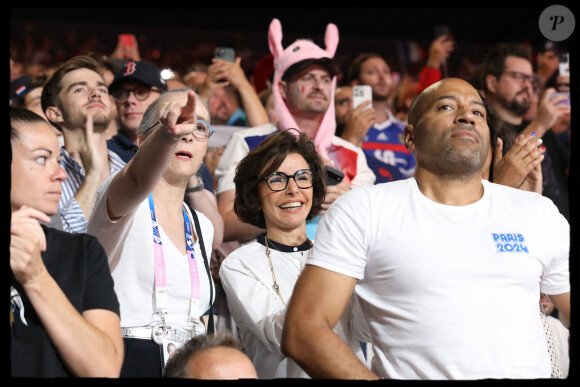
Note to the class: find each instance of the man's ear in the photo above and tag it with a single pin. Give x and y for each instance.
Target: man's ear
(491, 82)
(283, 88)
(54, 114)
(409, 136)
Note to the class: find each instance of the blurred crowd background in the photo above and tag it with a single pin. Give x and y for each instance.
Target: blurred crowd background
(182, 38)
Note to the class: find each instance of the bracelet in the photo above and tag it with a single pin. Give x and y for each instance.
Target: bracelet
(197, 188)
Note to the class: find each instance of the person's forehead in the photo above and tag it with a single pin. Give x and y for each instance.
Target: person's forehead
(514, 63)
(80, 75)
(314, 69)
(458, 88)
(36, 134)
(345, 91)
(374, 62)
(34, 93)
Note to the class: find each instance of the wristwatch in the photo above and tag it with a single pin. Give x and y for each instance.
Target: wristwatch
(197, 188)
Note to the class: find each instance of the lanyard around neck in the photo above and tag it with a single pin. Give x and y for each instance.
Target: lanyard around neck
(159, 262)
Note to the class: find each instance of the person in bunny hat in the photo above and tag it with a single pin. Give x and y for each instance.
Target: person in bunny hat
(303, 89)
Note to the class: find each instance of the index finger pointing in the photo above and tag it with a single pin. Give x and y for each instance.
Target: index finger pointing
(188, 110)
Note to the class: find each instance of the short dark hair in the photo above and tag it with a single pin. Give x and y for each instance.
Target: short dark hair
(176, 366)
(53, 86)
(355, 65)
(265, 159)
(494, 61)
(20, 114)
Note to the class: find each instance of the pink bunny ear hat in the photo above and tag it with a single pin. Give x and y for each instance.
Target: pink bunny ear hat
(299, 51)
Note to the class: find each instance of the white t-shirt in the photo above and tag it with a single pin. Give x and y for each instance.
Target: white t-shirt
(449, 292)
(244, 140)
(258, 311)
(129, 246)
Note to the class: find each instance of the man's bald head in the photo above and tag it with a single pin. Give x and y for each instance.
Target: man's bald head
(220, 363)
(217, 356)
(418, 104)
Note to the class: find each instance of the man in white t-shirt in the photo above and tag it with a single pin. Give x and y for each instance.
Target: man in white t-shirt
(446, 266)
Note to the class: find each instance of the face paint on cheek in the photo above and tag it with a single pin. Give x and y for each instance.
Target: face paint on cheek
(300, 90)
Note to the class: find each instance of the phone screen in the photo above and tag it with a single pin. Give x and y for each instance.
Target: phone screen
(225, 53)
(127, 39)
(564, 65)
(360, 94)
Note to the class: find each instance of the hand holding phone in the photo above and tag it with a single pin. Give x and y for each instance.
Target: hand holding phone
(225, 53)
(127, 40)
(333, 175)
(563, 94)
(360, 94)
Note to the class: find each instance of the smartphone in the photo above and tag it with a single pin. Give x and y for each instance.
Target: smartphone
(127, 40)
(566, 101)
(360, 94)
(333, 175)
(225, 53)
(564, 65)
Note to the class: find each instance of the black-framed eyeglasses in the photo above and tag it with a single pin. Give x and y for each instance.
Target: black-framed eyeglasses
(278, 181)
(202, 130)
(140, 92)
(522, 78)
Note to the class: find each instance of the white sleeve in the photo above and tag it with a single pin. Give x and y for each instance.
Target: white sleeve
(226, 168)
(556, 275)
(343, 235)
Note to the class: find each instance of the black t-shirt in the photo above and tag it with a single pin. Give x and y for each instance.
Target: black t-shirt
(78, 263)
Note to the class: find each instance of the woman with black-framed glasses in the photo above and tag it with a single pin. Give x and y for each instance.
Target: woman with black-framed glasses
(279, 185)
(154, 241)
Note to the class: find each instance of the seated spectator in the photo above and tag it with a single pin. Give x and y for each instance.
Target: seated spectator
(158, 259)
(76, 101)
(228, 79)
(279, 185)
(135, 86)
(381, 138)
(26, 92)
(64, 313)
(358, 121)
(215, 357)
(303, 89)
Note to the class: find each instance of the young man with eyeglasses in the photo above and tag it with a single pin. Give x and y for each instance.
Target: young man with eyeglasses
(508, 83)
(75, 99)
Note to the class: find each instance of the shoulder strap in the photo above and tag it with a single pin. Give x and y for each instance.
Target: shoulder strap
(210, 328)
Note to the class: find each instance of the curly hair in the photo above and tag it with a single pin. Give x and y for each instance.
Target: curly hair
(265, 159)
